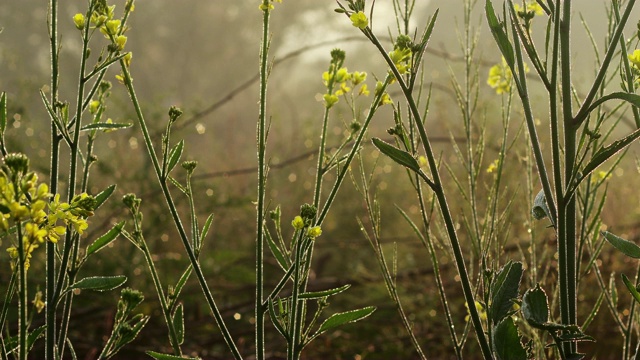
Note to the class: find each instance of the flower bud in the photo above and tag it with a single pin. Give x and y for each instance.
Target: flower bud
(79, 21)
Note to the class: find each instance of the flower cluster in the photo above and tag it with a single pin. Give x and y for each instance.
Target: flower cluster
(402, 54)
(102, 18)
(501, 77)
(339, 76)
(267, 5)
(531, 9)
(634, 59)
(305, 219)
(23, 205)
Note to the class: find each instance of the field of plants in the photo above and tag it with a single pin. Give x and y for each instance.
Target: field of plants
(302, 179)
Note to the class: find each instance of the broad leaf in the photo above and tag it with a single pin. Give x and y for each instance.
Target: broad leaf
(325, 293)
(105, 239)
(504, 291)
(627, 247)
(100, 283)
(535, 308)
(400, 156)
(506, 341)
(540, 208)
(342, 318)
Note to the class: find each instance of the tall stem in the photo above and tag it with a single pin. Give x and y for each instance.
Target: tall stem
(444, 206)
(22, 295)
(50, 268)
(176, 217)
(262, 181)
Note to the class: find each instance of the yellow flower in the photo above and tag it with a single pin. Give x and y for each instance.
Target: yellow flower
(386, 99)
(297, 223)
(343, 89)
(532, 7)
(329, 100)
(481, 311)
(500, 77)
(314, 232)
(93, 106)
(358, 77)
(121, 41)
(363, 90)
(359, 20)
(78, 21)
(111, 27)
(493, 166)
(127, 59)
(38, 303)
(342, 75)
(635, 58)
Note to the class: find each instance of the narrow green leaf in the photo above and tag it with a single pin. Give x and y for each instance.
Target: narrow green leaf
(100, 283)
(499, 34)
(276, 321)
(105, 126)
(130, 335)
(159, 356)
(174, 156)
(504, 291)
(275, 250)
(627, 247)
(400, 156)
(342, 318)
(52, 114)
(205, 228)
(632, 289)
(3, 112)
(178, 323)
(506, 341)
(104, 195)
(535, 308)
(607, 152)
(633, 99)
(324, 293)
(11, 344)
(613, 290)
(105, 239)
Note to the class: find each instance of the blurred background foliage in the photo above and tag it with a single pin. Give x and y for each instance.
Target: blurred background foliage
(203, 57)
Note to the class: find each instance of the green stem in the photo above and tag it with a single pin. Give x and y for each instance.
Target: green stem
(175, 216)
(262, 181)
(22, 296)
(354, 150)
(73, 170)
(626, 349)
(50, 267)
(442, 202)
(295, 317)
(602, 72)
(173, 337)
